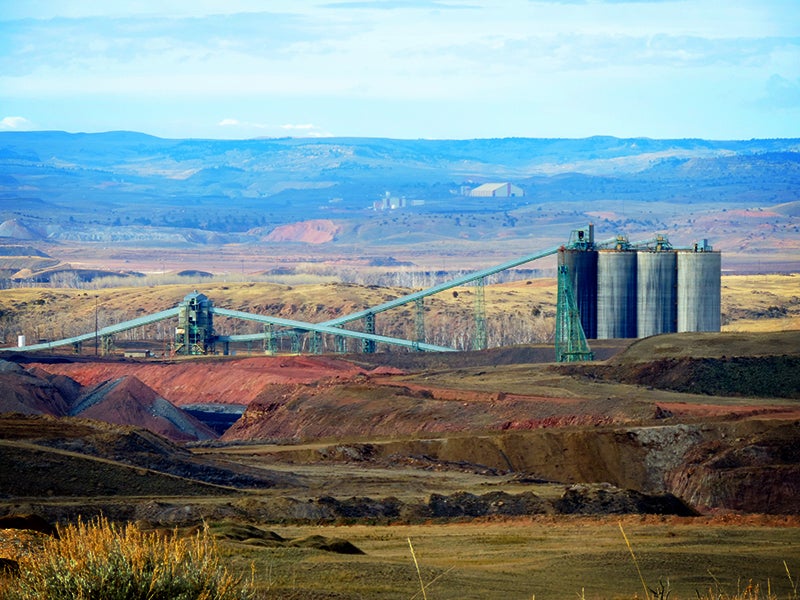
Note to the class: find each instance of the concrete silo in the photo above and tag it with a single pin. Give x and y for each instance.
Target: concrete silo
(657, 292)
(616, 294)
(699, 289)
(582, 269)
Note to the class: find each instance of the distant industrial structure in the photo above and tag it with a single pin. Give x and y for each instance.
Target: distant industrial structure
(497, 190)
(389, 202)
(606, 289)
(635, 290)
(195, 331)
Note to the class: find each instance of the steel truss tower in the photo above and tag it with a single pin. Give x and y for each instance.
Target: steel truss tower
(571, 344)
(368, 346)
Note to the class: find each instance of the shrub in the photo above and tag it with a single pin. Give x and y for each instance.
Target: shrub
(98, 560)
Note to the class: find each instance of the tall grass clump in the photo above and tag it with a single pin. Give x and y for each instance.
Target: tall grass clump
(98, 560)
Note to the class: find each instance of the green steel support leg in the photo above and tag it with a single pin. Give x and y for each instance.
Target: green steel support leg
(341, 344)
(571, 344)
(480, 342)
(419, 320)
(315, 342)
(368, 346)
(296, 347)
(106, 344)
(269, 339)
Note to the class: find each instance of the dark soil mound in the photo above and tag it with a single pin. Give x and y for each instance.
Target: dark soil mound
(463, 504)
(760, 376)
(29, 522)
(68, 456)
(318, 542)
(250, 534)
(509, 355)
(610, 500)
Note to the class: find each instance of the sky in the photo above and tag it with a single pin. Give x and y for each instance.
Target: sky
(435, 69)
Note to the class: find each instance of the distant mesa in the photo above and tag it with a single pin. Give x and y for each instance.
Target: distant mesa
(21, 251)
(15, 259)
(790, 209)
(194, 273)
(16, 229)
(389, 261)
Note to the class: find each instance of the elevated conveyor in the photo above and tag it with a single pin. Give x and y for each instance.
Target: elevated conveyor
(331, 327)
(442, 287)
(447, 285)
(100, 333)
(319, 328)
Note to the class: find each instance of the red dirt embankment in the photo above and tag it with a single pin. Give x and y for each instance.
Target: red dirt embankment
(367, 408)
(233, 381)
(316, 231)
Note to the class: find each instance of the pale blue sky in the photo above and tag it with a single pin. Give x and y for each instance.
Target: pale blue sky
(458, 69)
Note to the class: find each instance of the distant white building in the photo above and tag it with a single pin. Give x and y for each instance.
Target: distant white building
(497, 190)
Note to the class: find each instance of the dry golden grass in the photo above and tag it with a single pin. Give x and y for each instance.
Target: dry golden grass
(99, 559)
(749, 302)
(761, 303)
(547, 558)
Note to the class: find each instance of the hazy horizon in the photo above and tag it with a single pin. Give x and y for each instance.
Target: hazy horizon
(405, 69)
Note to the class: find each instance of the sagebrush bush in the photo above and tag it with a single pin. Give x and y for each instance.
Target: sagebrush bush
(98, 560)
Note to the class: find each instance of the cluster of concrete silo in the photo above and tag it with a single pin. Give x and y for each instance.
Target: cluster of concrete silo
(630, 292)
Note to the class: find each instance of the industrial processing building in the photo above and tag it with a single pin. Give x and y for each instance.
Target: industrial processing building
(607, 289)
(497, 190)
(643, 289)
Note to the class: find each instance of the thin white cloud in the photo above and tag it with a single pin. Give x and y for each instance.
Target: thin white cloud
(414, 70)
(305, 130)
(15, 124)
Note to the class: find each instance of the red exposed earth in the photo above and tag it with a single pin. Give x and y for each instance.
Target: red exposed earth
(213, 381)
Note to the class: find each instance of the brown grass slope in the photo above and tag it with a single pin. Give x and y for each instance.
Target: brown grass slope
(47, 456)
(711, 345)
(716, 364)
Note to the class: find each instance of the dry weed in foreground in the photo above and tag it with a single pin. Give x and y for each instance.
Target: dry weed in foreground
(423, 586)
(98, 559)
(751, 592)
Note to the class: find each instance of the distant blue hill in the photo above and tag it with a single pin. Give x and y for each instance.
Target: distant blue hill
(53, 180)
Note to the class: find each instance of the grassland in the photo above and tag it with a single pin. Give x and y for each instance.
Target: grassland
(518, 312)
(546, 558)
(761, 302)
